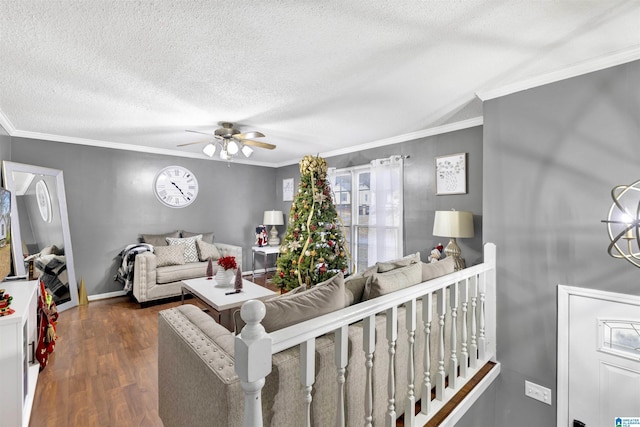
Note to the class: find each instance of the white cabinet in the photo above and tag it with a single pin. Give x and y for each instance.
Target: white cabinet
(18, 339)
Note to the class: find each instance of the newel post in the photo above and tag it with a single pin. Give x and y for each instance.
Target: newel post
(253, 360)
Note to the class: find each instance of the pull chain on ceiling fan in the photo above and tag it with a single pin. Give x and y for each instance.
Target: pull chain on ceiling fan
(230, 141)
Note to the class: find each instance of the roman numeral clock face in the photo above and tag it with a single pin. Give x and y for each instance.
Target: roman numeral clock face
(176, 186)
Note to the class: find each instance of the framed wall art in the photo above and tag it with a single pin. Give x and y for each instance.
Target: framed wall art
(451, 174)
(287, 190)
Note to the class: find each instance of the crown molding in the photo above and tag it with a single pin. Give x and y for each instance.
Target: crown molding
(590, 66)
(437, 130)
(6, 124)
(126, 147)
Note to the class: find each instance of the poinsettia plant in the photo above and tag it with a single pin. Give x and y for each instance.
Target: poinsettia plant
(228, 262)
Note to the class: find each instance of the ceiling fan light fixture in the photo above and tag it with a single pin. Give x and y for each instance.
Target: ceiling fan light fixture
(209, 149)
(231, 142)
(247, 151)
(232, 147)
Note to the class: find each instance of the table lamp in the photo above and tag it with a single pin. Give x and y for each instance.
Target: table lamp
(273, 218)
(453, 224)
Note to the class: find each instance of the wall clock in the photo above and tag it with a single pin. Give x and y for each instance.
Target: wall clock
(44, 201)
(175, 186)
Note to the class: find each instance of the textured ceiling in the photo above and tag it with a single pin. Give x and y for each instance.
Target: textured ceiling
(314, 77)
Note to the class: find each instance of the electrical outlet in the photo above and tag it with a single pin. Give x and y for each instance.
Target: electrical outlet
(537, 392)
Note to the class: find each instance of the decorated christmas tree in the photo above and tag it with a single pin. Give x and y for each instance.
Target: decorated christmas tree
(313, 248)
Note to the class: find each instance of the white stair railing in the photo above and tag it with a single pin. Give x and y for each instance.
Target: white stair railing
(369, 345)
(307, 375)
(410, 406)
(453, 293)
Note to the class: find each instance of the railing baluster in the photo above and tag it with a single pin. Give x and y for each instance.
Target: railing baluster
(453, 359)
(409, 412)
(474, 326)
(342, 351)
(440, 375)
(464, 353)
(252, 349)
(307, 374)
(427, 315)
(369, 346)
(482, 343)
(392, 336)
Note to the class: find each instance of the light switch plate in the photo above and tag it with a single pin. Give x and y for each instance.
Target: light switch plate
(537, 392)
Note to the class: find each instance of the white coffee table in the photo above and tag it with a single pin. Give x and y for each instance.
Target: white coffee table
(220, 304)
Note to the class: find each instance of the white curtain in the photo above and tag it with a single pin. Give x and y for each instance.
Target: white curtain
(331, 177)
(386, 213)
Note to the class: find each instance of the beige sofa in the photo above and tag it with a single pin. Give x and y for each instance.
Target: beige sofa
(197, 380)
(159, 274)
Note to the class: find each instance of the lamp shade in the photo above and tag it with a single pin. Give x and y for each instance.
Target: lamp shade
(209, 149)
(273, 218)
(453, 224)
(247, 151)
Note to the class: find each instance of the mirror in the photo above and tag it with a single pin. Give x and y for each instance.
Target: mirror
(40, 229)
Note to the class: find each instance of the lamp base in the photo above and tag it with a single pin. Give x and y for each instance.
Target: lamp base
(274, 240)
(453, 250)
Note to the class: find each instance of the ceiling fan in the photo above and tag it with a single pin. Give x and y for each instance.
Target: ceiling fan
(230, 141)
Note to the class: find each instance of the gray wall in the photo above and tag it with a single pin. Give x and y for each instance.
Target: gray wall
(5, 145)
(110, 198)
(420, 200)
(551, 157)
(110, 202)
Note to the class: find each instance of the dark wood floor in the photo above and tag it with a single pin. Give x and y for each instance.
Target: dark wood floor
(103, 371)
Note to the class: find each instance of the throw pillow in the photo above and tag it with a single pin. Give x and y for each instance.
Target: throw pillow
(297, 290)
(53, 249)
(169, 255)
(432, 270)
(402, 262)
(190, 249)
(207, 250)
(287, 310)
(158, 239)
(207, 237)
(354, 285)
(391, 281)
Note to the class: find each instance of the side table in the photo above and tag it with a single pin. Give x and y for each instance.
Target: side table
(266, 251)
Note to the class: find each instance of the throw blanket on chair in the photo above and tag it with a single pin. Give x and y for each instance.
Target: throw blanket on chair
(125, 271)
(53, 269)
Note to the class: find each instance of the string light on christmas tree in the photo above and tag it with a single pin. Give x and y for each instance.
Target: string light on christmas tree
(313, 248)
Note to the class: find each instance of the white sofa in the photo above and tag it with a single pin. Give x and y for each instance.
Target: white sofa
(152, 282)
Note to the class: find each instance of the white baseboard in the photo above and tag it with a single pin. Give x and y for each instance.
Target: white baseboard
(106, 295)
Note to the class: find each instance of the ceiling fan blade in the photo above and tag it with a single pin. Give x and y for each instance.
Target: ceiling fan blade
(248, 135)
(204, 133)
(258, 144)
(197, 142)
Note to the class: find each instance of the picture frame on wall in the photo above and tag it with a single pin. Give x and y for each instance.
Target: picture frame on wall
(287, 190)
(451, 174)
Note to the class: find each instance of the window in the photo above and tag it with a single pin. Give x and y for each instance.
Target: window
(620, 337)
(373, 225)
